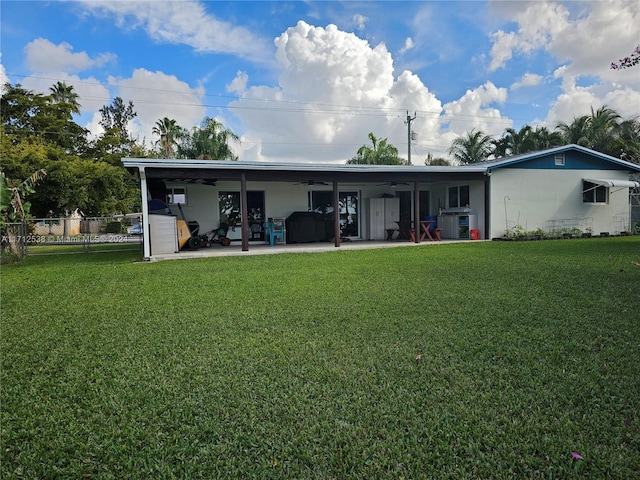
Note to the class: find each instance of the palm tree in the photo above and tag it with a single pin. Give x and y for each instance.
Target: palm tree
(431, 160)
(473, 147)
(168, 131)
(576, 132)
(626, 145)
(63, 93)
(382, 153)
(602, 131)
(544, 139)
(603, 128)
(209, 141)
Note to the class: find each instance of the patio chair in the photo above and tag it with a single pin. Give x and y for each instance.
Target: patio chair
(255, 230)
(272, 233)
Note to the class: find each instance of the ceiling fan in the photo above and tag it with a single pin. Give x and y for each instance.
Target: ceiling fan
(311, 183)
(392, 184)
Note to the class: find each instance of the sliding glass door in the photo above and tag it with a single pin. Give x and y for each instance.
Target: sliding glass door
(321, 201)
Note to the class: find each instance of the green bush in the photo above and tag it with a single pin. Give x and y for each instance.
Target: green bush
(114, 227)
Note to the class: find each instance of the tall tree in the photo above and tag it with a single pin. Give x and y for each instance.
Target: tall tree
(115, 121)
(36, 133)
(168, 131)
(626, 145)
(474, 147)
(209, 141)
(380, 153)
(439, 161)
(543, 138)
(603, 128)
(34, 117)
(576, 132)
(63, 93)
(526, 140)
(604, 131)
(514, 143)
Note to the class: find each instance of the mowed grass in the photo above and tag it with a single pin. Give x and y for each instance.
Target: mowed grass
(305, 365)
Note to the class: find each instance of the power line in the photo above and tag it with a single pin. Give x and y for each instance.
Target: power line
(327, 108)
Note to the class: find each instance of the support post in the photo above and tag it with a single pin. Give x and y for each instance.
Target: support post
(244, 212)
(416, 210)
(336, 213)
(146, 231)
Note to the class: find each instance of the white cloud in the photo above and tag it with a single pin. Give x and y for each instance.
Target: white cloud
(239, 83)
(3, 73)
(44, 56)
(185, 22)
(527, 80)
(585, 37)
(359, 21)
(334, 89)
(408, 45)
(579, 101)
(473, 111)
(502, 49)
(588, 45)
(537, 23)
(156, 95)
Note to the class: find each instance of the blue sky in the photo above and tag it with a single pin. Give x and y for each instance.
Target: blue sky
(307, 81)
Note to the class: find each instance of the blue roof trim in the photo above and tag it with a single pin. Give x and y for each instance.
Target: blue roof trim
(576, 158)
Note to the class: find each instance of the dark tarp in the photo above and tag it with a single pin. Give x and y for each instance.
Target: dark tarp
(305, 227)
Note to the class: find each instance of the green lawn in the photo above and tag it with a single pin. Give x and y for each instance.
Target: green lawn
(304, 365)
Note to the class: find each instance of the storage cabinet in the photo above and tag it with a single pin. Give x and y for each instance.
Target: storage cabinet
(457, 225)
(163, 234)
(383, 214)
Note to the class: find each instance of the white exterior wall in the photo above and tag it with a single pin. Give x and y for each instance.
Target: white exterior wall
(283, 198)
(440, 200)
(535, 196)
(280, 199)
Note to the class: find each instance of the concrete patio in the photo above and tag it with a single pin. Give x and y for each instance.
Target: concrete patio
(259, 248)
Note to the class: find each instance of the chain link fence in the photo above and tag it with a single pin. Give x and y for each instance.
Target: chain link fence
(71, 235)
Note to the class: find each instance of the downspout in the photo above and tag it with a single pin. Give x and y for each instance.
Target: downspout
(336, 213)
(146, 230)
(244, 212)
(487, 205)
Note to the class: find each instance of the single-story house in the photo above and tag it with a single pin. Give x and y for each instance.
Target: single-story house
(569, 187)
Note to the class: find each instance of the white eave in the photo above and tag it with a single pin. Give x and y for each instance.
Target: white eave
(142, 163)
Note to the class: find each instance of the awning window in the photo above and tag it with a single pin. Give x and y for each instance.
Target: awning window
(612, 183)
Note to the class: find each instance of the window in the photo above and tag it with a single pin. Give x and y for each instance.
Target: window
(230, 213)
(559, 159)
(594, 193)
(459, 196)
(177, 195)
(229, 208)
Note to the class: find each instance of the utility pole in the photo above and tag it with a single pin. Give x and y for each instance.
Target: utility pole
(408, 124)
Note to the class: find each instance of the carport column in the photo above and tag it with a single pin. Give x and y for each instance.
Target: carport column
(146, 231)
(336, 213)
(487, 205)
(416, 210)
(244, 212)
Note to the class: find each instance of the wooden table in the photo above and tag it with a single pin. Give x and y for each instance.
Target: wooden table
(426, 225)
(390, 232)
